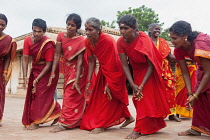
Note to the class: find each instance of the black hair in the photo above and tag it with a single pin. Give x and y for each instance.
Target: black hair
(182, 28)
(94, 22)
(76, 18)
(3, 17)
(128, 20)
(40, 23)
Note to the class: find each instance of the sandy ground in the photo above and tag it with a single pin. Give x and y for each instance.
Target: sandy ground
(13, 129)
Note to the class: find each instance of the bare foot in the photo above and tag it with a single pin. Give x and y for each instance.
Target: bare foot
(190, 132)
(133, 135)
(127, 122)
(97, 130)
(175, 118)
(54, 122)
(32, 127)
(58, 129)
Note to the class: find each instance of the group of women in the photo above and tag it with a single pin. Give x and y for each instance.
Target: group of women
(97, 99)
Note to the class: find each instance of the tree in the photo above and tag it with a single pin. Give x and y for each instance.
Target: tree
(107, 24)
(165, 34)
(144, 16)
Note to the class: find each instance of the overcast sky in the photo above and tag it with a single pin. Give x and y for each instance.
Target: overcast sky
(20, 13)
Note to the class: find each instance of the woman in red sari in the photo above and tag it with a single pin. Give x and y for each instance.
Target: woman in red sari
(72, 46)
(7, 54)
(40, 106)
(109, 99)
(167, 75)
(197, 46)
(149, 89)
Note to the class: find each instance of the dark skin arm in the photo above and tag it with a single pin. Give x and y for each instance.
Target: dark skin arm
(186, 75)
(91, 65)
(205, 63)
(58, 51)
(25, 61)
(44, 71)
(137, 89)
(79, 70)
(171, 58)
(6, 64)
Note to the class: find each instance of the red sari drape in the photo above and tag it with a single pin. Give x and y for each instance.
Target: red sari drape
(168, 76)
(7, 45)
(201, 112)
(153, 107)
(73, 102)
(100, 111)
(40, 107)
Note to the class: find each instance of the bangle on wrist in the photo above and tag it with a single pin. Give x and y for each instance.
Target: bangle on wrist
(5, 71)
(52, 73)
(196, 97)
(132, 84)
(141, 86)
(190, 93)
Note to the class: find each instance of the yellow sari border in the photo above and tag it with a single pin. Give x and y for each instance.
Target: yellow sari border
(76, 54)
(47, 114)
(202, 53)
(200, 130)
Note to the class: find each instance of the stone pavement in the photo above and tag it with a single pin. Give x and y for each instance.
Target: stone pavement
(13, 129)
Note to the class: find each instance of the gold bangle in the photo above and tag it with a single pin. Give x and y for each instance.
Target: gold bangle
(190, 93)
(133, 84)
(196, 97)
(141, 86)
(5, 71)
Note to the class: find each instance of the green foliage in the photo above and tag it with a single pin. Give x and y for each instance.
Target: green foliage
(165, 34)
(107, 24)
(144, 16)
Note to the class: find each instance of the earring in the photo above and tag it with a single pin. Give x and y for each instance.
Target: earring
(185, 39)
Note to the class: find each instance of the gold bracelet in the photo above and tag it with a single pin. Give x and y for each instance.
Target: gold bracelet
(141, 86)
(5, 71)
(196, 97)
(133, 84)
(190, 93)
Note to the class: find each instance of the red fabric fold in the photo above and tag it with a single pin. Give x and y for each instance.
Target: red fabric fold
(153, 106)
(100, 111)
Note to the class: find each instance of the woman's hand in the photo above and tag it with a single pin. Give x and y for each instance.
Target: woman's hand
(108, 92)
(4, 78)
(50, 80)
(34, 85)
(190, 102)
(76, 85)
(137, 91)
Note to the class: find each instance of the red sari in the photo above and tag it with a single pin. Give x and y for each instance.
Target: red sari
(100, 111)
(40, 107)
(168, 76)
(73, 102)
(201, 112)
(152, 108)
(7, 45)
